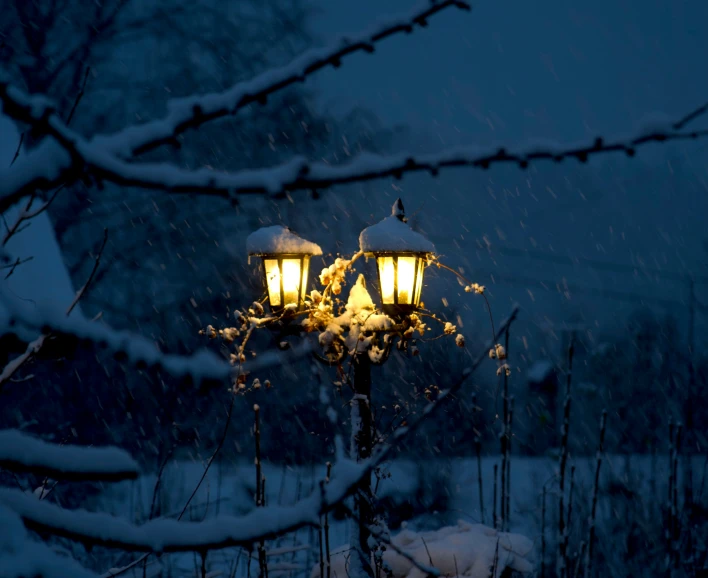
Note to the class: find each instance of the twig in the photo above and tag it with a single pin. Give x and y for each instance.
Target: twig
(478, 450)
(676, 554)
(566, 537)
(543, 534)
(430, 558)
(562, 559)
(326, 528)
(504, 436)
(144, 557)
(33, 347)
(78, 97)
(508, 464)
(80, 293)
(495, 522)
(595, 492)
(27, 214)
(579, 561)
(19, 148)
(260, 486)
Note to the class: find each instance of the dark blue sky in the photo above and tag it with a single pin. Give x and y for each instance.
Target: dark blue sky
(511, 71)
(514, 68)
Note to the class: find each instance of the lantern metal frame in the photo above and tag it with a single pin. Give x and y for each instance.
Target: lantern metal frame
(304, 260)
(397, 308)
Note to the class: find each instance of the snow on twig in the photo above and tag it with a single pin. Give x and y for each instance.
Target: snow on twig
(22, 453)
(192, 112)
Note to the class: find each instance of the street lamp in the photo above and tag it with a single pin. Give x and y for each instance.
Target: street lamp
(286, 264)
(401, 255)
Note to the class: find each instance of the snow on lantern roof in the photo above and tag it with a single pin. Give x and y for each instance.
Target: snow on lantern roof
(278, 239)
(394, 235)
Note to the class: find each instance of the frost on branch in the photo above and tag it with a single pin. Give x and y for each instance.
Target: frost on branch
(23, 453)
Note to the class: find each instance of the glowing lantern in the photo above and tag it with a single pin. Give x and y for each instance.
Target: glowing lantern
(286, 264)
(400, 254)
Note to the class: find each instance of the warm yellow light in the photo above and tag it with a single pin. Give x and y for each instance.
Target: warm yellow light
(272, 272)
(419, 282)
(291, 281)
(387, 277)
(406, 279)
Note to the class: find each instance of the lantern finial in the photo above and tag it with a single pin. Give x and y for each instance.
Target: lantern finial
(398, 211)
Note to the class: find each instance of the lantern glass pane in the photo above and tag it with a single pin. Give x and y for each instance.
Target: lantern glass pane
(418, 281)
(386, 279)
(305, 273)
(406, 279)
(291, 281)
(272, 272)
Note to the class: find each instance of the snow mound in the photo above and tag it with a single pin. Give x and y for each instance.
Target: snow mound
(393, 234)
(463, 550)
(279, 239)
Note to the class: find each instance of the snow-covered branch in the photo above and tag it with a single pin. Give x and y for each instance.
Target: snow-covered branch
(192, 112)
(68, 156)
(301, 174)
(22, 453)
(21, 557)
(202, 365)
(224, 531)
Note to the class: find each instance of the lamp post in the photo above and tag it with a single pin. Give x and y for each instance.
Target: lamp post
(401, 256)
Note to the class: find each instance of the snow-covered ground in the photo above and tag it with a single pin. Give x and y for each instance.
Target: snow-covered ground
(229, 490)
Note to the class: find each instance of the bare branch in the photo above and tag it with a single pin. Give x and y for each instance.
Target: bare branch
(78, 97)
(80, 293)
(19, 148)
(28, 214)
(190, 113)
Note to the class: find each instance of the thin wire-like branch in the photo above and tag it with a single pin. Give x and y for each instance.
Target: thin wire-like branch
(79, 96)
(27, 214)
(19, 148)
(80, 293)
(13, 266)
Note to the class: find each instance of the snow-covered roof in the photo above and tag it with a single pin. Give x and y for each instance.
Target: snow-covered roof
(279, 239)
(393, 235)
